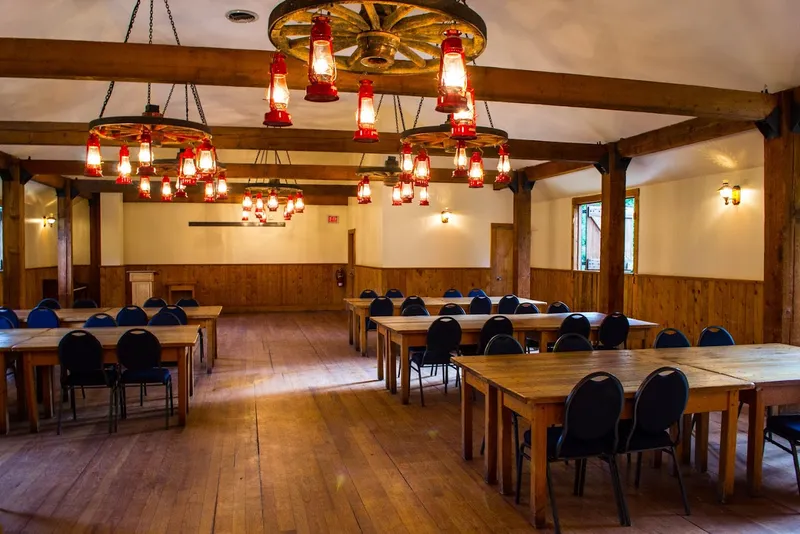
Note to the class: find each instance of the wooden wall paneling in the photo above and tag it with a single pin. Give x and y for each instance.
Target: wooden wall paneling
(368, 278)
(113, 286)
(33, 284)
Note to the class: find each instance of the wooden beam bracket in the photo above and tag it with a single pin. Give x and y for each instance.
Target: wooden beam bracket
(520, 182)
(770, 126)
(621, 163)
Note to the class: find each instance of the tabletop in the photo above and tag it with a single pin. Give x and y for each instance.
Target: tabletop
(9, 338)
(771, 363)
(533, 321)
(168, 336)
(550, 377)
(192, 312)
(68, 315)
(436, 301)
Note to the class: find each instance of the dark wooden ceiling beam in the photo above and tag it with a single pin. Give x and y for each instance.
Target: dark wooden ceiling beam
(133, 62)
(291, 139)
(552, 169)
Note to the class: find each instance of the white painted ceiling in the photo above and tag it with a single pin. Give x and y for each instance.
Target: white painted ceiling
(738, 44)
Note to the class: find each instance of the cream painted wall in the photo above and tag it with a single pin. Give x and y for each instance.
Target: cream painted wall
(156, 233)
(367, 221)
(41, 242)
(111, 229)
(81, 254)
(685, 229)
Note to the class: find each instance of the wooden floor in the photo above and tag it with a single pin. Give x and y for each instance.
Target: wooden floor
(292, 433)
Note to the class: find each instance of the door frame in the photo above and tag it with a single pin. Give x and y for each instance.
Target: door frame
(350, 278)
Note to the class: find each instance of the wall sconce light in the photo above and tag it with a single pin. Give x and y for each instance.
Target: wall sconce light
(730, 194)
(49, 220)
(446, 216)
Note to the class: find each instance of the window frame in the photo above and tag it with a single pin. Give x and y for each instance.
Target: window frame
(577, 202)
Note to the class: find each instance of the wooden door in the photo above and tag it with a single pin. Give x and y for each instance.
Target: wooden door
(502, 282)
(351, 263)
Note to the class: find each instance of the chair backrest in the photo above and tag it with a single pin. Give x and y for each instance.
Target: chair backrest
(381, 307)
(480, 305)
(411, 301)
(444, 336)
(526, 307)
(414, 310)
(368, 294)
(5, 324)
(394, 294)
(100, 320)
(476, 292)
(558, 307)
(132, 316)
(659, 402)
(452, 293)
(451, 308)
(671, 338)
(575, 323)
(572, 343)
(52, 304)
(591, 416)
(508, 304)
(614, 329)
(715, 336)
(9, 314)
(154, 302)
(164, 318)
(503, 344)
(178, 312)
(497, 324)
(188, 303)
(80, 352)
(138, 350)
(42, 318)
(84, 304)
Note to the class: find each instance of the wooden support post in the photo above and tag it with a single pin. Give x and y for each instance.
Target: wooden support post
(781, 230)
(94, 247)
(65, 245)
(522, 239)
(13, 238)
(612, 231)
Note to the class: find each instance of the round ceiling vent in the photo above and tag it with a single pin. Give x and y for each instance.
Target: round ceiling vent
(241, 16)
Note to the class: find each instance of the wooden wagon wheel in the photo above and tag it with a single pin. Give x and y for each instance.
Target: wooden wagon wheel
(164, 131)
(382, 37)
(438, 137)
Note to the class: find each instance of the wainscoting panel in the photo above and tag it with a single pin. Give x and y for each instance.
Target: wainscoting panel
(113, 286)
(688, 304)
(425, 282)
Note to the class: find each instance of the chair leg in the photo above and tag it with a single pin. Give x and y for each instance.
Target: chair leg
(622, 507)
(680, 481)
(421, 391)
(123, 402)
(638, 469)
(552, 496)
(583, 477)
(576, 484)
(201, 345)
(446, 377)
(520, 456)
(515, 429)
(166, 404)
(72, 403)
(83, 393)
(141, 394)
(171, 399)
(796, 464)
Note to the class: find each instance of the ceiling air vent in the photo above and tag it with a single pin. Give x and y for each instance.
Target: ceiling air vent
(241, 16)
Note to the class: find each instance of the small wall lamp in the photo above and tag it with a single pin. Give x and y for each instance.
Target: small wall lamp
(730, 194)
(49, 220)
(446, 216)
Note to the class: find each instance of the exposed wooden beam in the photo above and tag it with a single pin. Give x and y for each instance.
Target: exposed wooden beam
(522, 242)
(134, 62)
(552, 169)
(54, 180)
(292, 139)
(611, 288)
(679, 135)
(13, 240)
(64, 260)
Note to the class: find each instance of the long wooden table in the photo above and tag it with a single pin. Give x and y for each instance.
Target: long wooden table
(9, 338)
(67, 316)
(536, 387)
(42, 351)
(358, 313)
(397, 334)
(775, 371)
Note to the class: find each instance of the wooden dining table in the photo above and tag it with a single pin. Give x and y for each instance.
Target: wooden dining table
(395, 335)
(9, 338)
(41, 351)
(536, 386)
(358, 313)
(66, 316)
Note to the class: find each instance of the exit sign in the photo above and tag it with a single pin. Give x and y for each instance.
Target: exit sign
(333, 219)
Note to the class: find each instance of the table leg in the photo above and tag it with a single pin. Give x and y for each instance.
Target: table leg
(466, 417)
(19, 380)
(755, 441)
(362, 334)
(190, 370)
(379, 351)
(350, 323)
(4, 421)
(211, 340)
(686, 438)
(405, 370)
(30, 392)
(538, 467)
(183, 389)
(505, 448)
(391, 366)
(356, 331)
(490, 435)
(727, 449)
(701, 442)
(545, 338)
(47, 390)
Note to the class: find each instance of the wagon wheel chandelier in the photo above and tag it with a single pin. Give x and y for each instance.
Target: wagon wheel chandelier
(152, 129)
(262, 197)
(377, 36)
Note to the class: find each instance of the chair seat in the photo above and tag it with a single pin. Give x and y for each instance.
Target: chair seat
(149, 376)
(641, 441)
(429, 358)
(371, 325)
(786, 426)
(92, 378)
(572, 449)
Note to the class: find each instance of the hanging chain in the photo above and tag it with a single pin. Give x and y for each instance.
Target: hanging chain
(127, 37)
(198, 104)
(172, 23)
(485, 102)
(402, 118)
(419, 109)
(169, 97)
(186, 95)
(150, 41)
(288, 157)
(396, 121)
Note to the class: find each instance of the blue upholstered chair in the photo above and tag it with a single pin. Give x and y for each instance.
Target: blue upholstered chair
(558, 307)
(100, 320)
(613, 331)
(671, 338)
(508, 305)
(476, 292)
(572, 343)
(9, 314)
(443, 338)
(188, 303)
(480, 305)
(154, 302)
(415, 310)
(132, 316)
(84, 304)
(452, 293)
(394, 294)
(368, 294)
(139, 354)
(42, 318)
(715, 336)
(164, 318)
(413, 300)
(52, 304)
(451, 308)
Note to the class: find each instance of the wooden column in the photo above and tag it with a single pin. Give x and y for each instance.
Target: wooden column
(94, 247)
(522, 239)
(612, 232)
(13, 239)
(65, 245)
(781, 231)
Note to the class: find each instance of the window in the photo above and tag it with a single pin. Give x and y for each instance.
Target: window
(586, 231)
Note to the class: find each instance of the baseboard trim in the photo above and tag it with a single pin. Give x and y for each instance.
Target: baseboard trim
(293, 308)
